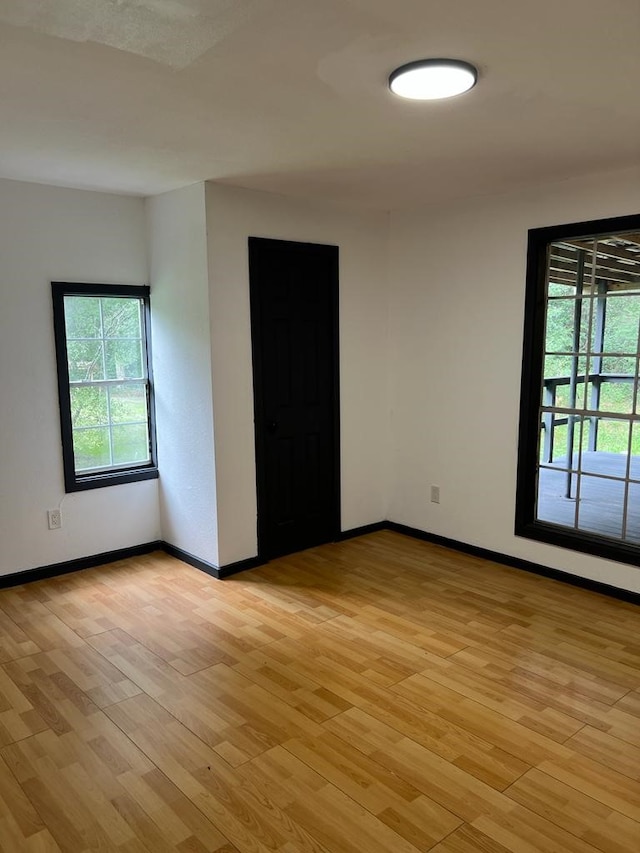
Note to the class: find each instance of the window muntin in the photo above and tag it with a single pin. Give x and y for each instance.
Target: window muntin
(104, 383)
(579, 452)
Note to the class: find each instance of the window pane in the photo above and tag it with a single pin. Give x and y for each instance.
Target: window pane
(85, 361)
(616, 397)
(605, 462)
(128, 403)
(613, 436)
(621, 328)
(130, 444)
(82, 316)
(560, 439)
(558, 393)
(566, 260)
(559, 328)
(556, 366)
(557, 288)
(91, 448)
(123, 359)
(570, 398)
(553, 449)
(121, 317)
(619, 364)
(89, 407)
(601, 506)
(553, 505)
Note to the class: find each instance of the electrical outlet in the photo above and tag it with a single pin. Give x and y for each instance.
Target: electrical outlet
(435, 494)
(54, 517)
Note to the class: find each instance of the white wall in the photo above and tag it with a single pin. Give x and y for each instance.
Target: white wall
(430, 363)
(49, 234)
(456, 317)
(182, 370)
(232, 216)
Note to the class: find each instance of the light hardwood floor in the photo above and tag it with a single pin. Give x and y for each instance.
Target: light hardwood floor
(380, 694)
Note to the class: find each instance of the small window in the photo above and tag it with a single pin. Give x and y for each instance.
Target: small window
(104, 384)
(579, 451)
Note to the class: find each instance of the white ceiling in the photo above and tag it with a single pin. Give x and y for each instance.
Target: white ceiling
(142, 96)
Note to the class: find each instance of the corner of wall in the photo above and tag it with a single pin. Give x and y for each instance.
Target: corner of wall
(182, 370)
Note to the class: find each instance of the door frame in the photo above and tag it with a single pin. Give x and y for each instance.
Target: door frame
(258, 388)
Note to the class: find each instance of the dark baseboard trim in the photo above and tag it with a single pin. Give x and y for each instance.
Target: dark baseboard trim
(56, 569)
(221, 572)
(240, 566)
(218, 572)
(190, 559)
(516, 563)
(362, 531)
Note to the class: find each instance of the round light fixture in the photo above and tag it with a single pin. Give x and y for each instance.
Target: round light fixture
(431, 79)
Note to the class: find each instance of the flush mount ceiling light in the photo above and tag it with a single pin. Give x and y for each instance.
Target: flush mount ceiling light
(431, 79)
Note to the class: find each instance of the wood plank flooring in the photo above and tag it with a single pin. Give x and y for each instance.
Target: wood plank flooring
(379, 695)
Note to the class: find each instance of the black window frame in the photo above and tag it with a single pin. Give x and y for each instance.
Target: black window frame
(76, 482)
(526, 524)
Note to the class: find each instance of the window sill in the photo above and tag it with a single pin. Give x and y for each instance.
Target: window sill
(596, 546)
(110, 478)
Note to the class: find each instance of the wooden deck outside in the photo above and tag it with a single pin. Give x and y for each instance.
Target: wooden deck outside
(380, 695)
(601, 500)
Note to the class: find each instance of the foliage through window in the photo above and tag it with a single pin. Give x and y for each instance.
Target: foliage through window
(579, 454)
(106, 404)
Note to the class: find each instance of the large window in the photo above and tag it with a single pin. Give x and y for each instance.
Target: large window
(104, 382)
(579, 453)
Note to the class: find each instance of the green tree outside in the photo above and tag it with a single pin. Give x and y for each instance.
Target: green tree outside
(105, 342)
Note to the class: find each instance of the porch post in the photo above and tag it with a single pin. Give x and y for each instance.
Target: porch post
(573, 378)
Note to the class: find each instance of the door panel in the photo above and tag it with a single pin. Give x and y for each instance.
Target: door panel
(294, 324)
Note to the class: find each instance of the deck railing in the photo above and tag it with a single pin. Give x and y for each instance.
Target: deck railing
(550, 421)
